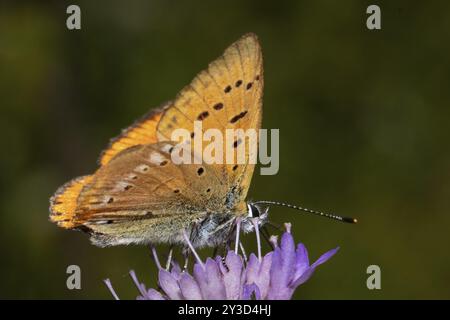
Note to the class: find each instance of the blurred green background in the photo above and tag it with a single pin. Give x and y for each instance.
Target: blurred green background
(363, 118)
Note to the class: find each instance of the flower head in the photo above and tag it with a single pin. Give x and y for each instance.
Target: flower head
(274, 276)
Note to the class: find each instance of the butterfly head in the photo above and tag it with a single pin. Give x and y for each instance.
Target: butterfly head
(255, 214)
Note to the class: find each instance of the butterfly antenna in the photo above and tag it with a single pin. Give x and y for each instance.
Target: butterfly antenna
(266, 235)
(318, 213)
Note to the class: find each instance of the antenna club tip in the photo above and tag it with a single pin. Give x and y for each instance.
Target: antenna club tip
(350, 220)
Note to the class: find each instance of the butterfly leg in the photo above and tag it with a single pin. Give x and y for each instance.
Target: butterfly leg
(215, 251)
(275, 226)
(266, 236)
(223, 248)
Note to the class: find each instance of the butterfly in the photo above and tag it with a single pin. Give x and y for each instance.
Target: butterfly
(139, 195)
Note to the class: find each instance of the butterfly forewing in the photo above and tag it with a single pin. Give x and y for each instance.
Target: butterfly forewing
(227, 95)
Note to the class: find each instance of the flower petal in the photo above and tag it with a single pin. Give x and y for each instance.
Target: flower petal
(169, 284)
(250, 291)
(303, 278)
(253, 265)
(301, 260)
(210, 280)
(282, 270)
(309, 272)
(323, 258)
(176, 270)
(259, 273)
(287, 258)
(189, 288)
(232, 274)
(152, 294)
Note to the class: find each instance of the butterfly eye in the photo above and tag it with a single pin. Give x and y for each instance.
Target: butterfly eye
(253, 211)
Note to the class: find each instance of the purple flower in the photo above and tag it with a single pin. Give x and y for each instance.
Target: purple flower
(274, 276)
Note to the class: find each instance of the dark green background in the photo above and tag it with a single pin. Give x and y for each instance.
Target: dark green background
(363, 117)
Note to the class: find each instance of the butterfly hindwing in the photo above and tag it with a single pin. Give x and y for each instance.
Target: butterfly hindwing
(144, 185)
(64, 203)
(145, 181)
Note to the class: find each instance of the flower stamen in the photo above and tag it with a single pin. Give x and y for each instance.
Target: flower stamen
(274, 241)
(169, 259)
(238, 229)
(155, 257)
(288, 226)
(139, 285)
(244, 255)
(186, 260)
(258, 239)
(111, 289)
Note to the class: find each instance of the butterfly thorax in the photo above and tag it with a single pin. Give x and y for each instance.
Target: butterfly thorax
(214, 230)
(220, 228)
